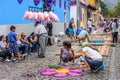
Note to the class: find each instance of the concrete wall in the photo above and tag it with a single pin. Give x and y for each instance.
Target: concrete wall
(28, 28)
(11, 12)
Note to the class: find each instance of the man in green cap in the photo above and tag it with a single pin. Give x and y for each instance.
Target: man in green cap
(92, 57)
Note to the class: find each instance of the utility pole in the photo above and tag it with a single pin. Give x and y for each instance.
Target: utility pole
(78, 13)
(99, 9)
(108, 7)
(65, 20)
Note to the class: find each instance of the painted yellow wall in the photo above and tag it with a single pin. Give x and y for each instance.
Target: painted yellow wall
(84, 18)
(91, 2)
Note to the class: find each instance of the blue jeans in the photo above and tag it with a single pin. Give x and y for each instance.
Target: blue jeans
(5, 54)
(65, 60)
(26, 47)
(34, 45)
(90, 30)
(22, 49)
(93, 63)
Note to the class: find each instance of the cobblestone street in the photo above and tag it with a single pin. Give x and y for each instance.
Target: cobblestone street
(33, 65)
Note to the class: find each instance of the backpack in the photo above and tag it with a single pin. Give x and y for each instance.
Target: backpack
(67, 31)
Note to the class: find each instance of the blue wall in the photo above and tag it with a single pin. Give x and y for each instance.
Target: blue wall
(11, 12)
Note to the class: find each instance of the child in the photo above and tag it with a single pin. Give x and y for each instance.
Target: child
(13, 47)
(4, 52)
(67, 53)
(92, 57)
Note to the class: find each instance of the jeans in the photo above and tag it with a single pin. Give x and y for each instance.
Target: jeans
(93, 63)
(90, 30)
(49, 41)
(22, 49)
(5, 54)
(115, 37)
(26, 47)
(34, 46)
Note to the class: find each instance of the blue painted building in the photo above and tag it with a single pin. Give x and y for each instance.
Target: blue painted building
(11, 12)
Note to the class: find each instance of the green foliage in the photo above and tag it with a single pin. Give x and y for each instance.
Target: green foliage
(104, 8)
(115, 11)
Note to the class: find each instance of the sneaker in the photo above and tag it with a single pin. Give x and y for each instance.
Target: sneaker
(96, 70)
(7, 60)
(24, 56)
(66, 64)
(13, 59)
(41, 56)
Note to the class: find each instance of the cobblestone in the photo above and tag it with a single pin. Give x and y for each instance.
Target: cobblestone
(33, 65)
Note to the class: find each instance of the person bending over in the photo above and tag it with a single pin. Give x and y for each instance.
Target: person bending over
(92, 57)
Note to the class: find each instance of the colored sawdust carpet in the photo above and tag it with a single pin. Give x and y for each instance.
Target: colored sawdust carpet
(62, 72)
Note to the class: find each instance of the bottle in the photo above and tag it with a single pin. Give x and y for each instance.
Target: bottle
(82, 59)
(56, 39)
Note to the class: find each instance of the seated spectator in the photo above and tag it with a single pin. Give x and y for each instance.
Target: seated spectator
(67, 32)
(22, 49)
(4, 52)
(32, 38)
(25, 42)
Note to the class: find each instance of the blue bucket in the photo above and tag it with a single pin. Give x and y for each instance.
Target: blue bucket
(102, 67)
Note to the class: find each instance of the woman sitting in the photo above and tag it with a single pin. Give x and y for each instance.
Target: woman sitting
(25, 42)
(32, 38)
(4, 52)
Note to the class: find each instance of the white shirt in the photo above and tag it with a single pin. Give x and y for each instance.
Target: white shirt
(89, 24)
(93, 53)
(83, 34)
(114, 28)
(40, 29)
(18, 42)
(2, 45)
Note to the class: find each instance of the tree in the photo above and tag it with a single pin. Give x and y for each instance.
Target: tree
(104, 8)
(117, 9)
(114, 12)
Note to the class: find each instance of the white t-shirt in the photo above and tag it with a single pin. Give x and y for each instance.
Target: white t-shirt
(2, 45)
(83, 34)
(93, 53)
(114, 28)
(19, 42)
(40, 29)
(89, 24)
